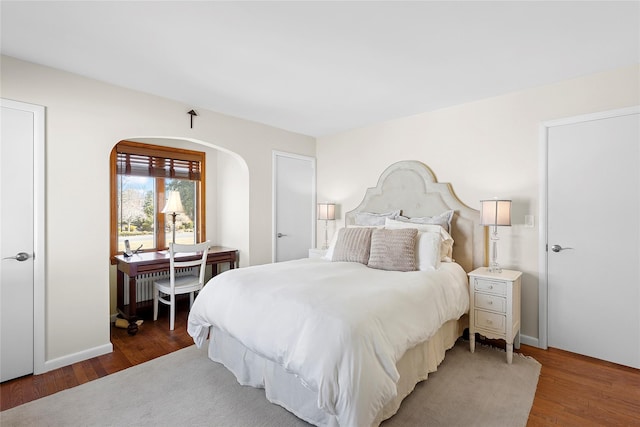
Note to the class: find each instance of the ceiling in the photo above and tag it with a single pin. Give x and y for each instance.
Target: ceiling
(319, 68)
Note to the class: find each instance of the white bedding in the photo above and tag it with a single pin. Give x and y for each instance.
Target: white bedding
(340, 327)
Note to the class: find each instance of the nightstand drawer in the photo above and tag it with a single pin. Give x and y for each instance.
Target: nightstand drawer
(490, 286)
(491, 321)
(491, 302)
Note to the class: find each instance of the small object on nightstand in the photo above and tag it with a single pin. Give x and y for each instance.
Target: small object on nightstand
(317, 253)
(494, 307)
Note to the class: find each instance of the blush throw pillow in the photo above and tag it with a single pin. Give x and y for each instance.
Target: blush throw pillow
(393, 250)
(334, 239)
(352, 245)
(446, 241)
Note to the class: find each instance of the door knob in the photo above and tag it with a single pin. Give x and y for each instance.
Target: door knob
(280, 235)
(22, 256)
(558, 248)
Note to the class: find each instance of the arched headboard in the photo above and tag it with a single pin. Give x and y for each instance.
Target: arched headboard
(411, 186)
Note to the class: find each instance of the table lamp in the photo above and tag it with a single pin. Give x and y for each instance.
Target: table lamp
(173, 207)
(495, 213)
(326, 212)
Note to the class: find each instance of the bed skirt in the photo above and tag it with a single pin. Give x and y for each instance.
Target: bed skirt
(285, 389)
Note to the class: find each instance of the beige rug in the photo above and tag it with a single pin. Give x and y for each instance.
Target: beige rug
(186, 388)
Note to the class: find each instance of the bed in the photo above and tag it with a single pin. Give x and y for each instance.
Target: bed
(340, 342)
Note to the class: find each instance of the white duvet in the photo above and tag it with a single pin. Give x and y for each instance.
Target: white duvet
(340, 327)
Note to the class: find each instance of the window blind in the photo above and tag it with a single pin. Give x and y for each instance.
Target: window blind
(141, 161)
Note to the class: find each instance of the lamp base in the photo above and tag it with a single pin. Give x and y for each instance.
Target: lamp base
(173, 215)
(494, 267)
(325, 246)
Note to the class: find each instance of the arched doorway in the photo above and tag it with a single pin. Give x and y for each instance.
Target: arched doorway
(227, 197)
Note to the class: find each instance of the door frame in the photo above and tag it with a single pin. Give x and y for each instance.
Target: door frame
(39, 248)
(274, 210)
(543, 253)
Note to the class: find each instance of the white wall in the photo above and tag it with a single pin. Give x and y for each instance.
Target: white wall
(84, 119)
(484, 149)
(232, 201)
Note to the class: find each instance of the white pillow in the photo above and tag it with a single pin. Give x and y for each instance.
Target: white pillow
(371, 218)
(428, 250)
(444, 220)
(329, 254)
(446, 242)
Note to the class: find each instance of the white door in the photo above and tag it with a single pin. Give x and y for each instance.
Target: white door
(21, 137)
(593, 236)
(294, 206)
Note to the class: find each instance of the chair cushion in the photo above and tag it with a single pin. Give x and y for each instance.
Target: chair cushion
(184, 284)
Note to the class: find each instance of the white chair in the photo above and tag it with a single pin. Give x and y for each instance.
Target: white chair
(173, 285)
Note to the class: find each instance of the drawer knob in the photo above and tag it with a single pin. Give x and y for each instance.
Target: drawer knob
(490, 302)
(489, 322)
(490, 286)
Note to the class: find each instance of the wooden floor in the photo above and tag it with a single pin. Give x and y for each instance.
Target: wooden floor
(573, 390)
(154, 339)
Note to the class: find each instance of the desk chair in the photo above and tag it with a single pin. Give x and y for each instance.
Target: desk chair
(173, 285)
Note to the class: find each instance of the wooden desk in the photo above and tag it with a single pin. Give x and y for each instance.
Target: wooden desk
(149, 262)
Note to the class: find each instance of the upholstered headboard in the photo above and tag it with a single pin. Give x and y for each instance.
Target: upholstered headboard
(412, 187)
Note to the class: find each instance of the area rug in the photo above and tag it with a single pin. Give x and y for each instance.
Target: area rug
(186, 388)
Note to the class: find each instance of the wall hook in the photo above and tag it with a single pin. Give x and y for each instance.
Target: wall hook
(192, 113)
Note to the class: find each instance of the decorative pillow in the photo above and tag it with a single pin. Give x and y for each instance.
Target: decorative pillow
(371, 218)
(428, 250)
(332, 245)
(353, 245)
(393, 250)
(443, 220)
(446, 242)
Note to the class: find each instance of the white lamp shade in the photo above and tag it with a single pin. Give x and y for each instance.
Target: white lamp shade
(495, 212)
(174, 204)
(327, 211)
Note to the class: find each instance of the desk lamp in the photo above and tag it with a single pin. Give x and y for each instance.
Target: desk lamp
(173, 208)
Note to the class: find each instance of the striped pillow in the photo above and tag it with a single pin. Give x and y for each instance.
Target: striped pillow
(393, 250)
(353, 245)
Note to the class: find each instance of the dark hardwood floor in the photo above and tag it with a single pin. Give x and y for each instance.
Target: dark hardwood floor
(154, 339)
(573, 390)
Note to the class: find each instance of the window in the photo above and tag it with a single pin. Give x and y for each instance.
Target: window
(143, 177)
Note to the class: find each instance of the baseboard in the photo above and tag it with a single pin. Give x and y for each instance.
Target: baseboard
(532, 341)
(70, 359)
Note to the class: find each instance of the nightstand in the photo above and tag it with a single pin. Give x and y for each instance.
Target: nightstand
(317, 253)
(494, 310)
